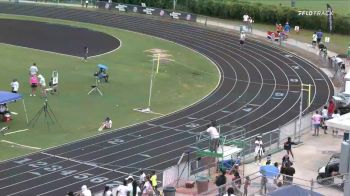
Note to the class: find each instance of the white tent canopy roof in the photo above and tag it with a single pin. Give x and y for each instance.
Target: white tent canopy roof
(343, 122)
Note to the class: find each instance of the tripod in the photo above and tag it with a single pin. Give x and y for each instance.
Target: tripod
(95, 88)
(48, 114)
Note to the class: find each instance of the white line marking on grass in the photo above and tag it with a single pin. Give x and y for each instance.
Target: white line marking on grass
(21, 145)
(9, 133)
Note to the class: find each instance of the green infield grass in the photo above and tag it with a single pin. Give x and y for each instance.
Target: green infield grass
(179, 83)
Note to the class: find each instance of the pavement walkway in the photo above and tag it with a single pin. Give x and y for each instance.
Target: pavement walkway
(313, 153)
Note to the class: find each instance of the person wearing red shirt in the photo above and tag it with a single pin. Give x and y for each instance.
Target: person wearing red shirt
(331, 108)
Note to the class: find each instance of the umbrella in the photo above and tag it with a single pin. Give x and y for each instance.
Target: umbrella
(102, 66)
(269, 170)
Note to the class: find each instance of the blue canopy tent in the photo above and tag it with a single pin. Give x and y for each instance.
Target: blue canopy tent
(102, 66)
(8, 97)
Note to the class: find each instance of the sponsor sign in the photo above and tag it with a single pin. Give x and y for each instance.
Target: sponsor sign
(146, 10)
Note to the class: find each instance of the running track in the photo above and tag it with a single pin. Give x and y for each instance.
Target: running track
(259, 77)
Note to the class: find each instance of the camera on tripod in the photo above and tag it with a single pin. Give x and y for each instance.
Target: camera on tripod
(53, 84)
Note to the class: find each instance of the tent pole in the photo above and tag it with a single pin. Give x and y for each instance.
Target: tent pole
(25, 110)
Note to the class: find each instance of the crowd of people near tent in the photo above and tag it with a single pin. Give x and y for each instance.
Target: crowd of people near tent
(145, 185)
(273, 174)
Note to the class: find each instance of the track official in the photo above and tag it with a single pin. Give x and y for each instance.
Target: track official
(214, 137)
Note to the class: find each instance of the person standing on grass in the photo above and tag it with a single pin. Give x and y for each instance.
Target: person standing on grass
(319, 36)
(316, 121)
(85, 53)
(288, 146)
(42, 84)
(33, 70)
(287, 27)
(33, 84)
(245, 18)
(14, 86)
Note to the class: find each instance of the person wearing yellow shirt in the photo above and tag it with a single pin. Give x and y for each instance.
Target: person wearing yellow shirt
(154, 181)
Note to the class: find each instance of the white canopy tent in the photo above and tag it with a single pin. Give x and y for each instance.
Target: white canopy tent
(342, 122)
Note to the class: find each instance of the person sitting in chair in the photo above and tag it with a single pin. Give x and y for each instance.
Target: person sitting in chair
(107, 124)
(102, 74)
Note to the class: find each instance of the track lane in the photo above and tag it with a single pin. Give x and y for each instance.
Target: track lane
(213, 101)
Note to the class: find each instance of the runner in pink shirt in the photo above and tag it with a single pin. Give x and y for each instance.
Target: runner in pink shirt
(316, 121)
(33, 84)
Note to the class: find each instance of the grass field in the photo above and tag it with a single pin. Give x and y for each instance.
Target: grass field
(180, 83)
(341, 7)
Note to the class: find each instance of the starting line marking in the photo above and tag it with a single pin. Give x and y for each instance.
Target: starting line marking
(25, 146)
(83, 163)
(9, 133)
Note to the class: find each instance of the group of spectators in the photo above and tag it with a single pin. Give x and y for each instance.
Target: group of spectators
(235, 184)
(273, 175)
(145, 186)
(319, 118)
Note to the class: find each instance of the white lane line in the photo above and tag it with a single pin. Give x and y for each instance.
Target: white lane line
(21, 145)
(9, 133)
(82, 162)
(145, 155)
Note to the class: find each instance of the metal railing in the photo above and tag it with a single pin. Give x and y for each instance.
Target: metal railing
(262, 185)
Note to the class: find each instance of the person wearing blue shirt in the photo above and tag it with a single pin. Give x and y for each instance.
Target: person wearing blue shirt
(319, 35)
(287, 27)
